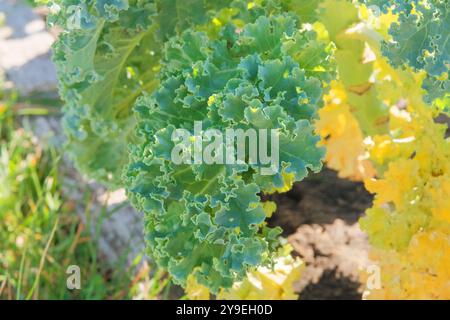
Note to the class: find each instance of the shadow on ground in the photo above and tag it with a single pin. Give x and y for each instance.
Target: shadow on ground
(319, 217)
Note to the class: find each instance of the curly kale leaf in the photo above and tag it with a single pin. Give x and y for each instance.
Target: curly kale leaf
(107, 54)
(105, 57)
(420, 39)
(208, 219)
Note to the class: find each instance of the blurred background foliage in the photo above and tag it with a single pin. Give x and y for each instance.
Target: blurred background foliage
(40, 231)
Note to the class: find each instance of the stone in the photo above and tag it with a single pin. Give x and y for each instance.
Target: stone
(25, 50)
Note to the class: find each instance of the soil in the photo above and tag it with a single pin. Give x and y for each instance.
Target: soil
(319, 217)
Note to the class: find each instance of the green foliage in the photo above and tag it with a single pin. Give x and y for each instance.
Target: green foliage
(208, 219)
(174, 16)
(306, 10)
(420, 39)
(41, 233)
(229, 65)
(353, 72)
(105, 57)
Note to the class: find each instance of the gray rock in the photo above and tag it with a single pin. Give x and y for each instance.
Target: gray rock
(113, 223)
(25, 49)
